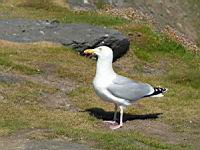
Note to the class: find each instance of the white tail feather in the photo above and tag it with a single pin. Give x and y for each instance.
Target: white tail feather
(158, 95)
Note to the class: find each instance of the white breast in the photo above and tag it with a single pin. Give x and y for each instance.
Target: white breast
(100, 87)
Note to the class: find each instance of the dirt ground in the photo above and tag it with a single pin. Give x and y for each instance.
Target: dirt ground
(24, 140)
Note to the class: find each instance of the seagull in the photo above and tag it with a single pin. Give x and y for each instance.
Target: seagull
(114, 88)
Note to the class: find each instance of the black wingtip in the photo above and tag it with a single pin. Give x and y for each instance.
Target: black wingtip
(160, 90)
(157, 91)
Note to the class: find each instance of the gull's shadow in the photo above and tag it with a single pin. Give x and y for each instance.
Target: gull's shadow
(108, 115)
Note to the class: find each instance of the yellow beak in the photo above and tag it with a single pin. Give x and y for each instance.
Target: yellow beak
(89, 51)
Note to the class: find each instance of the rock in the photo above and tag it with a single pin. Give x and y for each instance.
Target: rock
(81, 5)
(77, 36)
(8, 79)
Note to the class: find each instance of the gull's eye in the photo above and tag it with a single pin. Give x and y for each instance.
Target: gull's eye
(100, 49)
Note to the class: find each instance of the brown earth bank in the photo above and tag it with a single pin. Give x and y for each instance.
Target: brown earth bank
(180, 15)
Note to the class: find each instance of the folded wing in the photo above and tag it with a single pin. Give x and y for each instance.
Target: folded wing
(130, 90)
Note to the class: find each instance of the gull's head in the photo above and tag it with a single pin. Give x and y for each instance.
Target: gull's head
(102, 52)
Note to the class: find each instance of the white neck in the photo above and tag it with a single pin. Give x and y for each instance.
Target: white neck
(104, 68)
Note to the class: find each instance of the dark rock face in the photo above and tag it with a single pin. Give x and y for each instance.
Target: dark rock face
(93, 4)
(77, 36)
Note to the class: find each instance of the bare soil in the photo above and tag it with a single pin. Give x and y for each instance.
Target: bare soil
(24, 140)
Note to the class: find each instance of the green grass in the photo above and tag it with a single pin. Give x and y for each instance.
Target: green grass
(24, 99)
(190, 77)
(147, 41)
(93, 18)
(198, 42)
(6, 63)
(100, 4)
(46, 9)
(64, 123)
(23, 105)
(40, 4)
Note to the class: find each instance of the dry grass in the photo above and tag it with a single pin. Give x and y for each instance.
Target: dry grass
(22, 106)
(177, 110)
(61, 3)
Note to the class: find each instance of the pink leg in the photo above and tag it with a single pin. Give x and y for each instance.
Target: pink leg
(114, 118)
(121, 120)
(110, 121)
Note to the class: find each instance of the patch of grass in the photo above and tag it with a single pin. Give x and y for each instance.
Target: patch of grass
(124, 140)
(40, 4)
(189, 77)
(100, 4)
(93, 18)
(5, 62)
(25, 99)
(36, 9)
(22, 109)
(26, 92)
(68, 124)
(63, 61)
(88, 98)
(10, 125)
(145, 41)
(198, 42)
(47, 9)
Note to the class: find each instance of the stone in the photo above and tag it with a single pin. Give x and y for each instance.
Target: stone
(76, 36)
(1, 98)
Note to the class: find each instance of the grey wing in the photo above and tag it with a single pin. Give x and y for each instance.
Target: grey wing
(127, 89)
